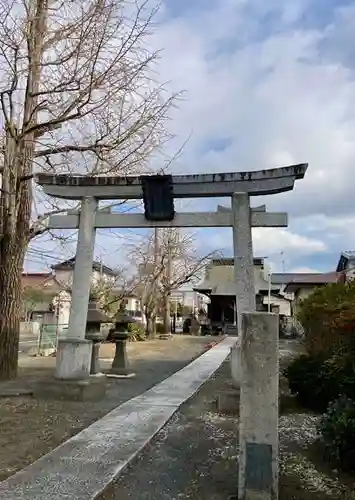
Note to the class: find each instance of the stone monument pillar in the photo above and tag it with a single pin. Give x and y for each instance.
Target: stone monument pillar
(259, 412)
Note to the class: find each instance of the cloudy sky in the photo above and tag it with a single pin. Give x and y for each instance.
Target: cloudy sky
(267, 83)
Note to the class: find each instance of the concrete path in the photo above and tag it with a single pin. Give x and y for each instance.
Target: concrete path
(83, 466)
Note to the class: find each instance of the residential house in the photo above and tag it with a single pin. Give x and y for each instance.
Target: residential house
(47, 296)
(64, 272)
(189, 298)
(132, 305)
(45, 301)
(346, 264)
(301, 285)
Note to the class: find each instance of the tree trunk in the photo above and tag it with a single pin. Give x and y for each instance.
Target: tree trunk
(167, 318)
(11, 263)
(150, 326)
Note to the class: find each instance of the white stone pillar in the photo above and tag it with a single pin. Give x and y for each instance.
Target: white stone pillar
(74, 352)
(259, 413)
(243, 272)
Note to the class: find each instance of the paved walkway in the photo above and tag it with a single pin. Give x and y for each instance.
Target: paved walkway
(195, 456)
(83, 466)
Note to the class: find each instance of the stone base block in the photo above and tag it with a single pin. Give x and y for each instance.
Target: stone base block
(228, 402)
(73, 359)
(166, 336)
(13, 392)
(120, 372)
(43, 352)
(115, 375)
(235, 364)
(90, 389)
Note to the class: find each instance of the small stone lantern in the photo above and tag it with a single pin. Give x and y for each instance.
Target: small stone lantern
(93, 324)
(119, 336)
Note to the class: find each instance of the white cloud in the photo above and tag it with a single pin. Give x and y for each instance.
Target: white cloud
(267, 242)
(270, 241)
(281, 96)
(283, 93)
(304, 270)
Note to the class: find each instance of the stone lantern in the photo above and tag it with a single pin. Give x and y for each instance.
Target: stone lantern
(93, 325)
(119, 336)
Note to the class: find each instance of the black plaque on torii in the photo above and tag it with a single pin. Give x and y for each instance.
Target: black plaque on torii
(158, 197)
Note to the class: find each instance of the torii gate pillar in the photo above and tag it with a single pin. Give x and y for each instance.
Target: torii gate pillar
(74, 352)
(243, 256)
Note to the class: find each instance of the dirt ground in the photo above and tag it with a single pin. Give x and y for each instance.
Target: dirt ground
(195, 457)
(30, 428)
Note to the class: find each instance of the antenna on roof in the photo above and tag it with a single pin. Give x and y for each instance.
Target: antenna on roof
(282, 254)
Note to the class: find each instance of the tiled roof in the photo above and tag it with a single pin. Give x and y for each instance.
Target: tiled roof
(45, 281)
(225, 288)
(97, 266)
(282, 278)
(312, 279)
(229, 261)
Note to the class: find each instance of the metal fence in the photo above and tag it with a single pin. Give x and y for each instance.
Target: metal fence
(48, 337)
(293, 326)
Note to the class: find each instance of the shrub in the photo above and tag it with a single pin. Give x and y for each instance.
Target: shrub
(137, 332)
(306, 379)
(316, 382)
(337, 429)
(328, 317)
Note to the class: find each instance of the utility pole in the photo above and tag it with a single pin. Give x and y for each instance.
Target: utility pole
(282, 254)
(155, 284)
(167, 296)
(156, 245)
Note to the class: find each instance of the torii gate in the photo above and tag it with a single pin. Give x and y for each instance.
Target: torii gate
(74, 352)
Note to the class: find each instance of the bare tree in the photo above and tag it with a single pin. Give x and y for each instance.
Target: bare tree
(175, 263)
(32, 297)
(77, 94)
(181, 264)
(111, 294)
(144, 259)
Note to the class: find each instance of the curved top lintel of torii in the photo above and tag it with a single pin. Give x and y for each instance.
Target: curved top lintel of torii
(255, 183)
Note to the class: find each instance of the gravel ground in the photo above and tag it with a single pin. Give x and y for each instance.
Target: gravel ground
(29, 428)
(195, 457)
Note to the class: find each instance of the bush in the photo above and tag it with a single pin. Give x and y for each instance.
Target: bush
(305, 377)
(337, 428)
(316, 382)
(137, 332)
(328, 317)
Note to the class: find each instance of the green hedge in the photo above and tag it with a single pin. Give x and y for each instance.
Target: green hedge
(137, 332)
(328, 318)
(337, 428)
(316, 382)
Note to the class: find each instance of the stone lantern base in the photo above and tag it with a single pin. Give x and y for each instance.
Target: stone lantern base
(72, 379)
(120, 366)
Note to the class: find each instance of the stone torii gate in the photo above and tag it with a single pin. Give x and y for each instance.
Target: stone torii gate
(258, 335)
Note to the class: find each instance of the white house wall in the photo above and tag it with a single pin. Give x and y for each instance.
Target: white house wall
(284, 305)
(65, 277)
